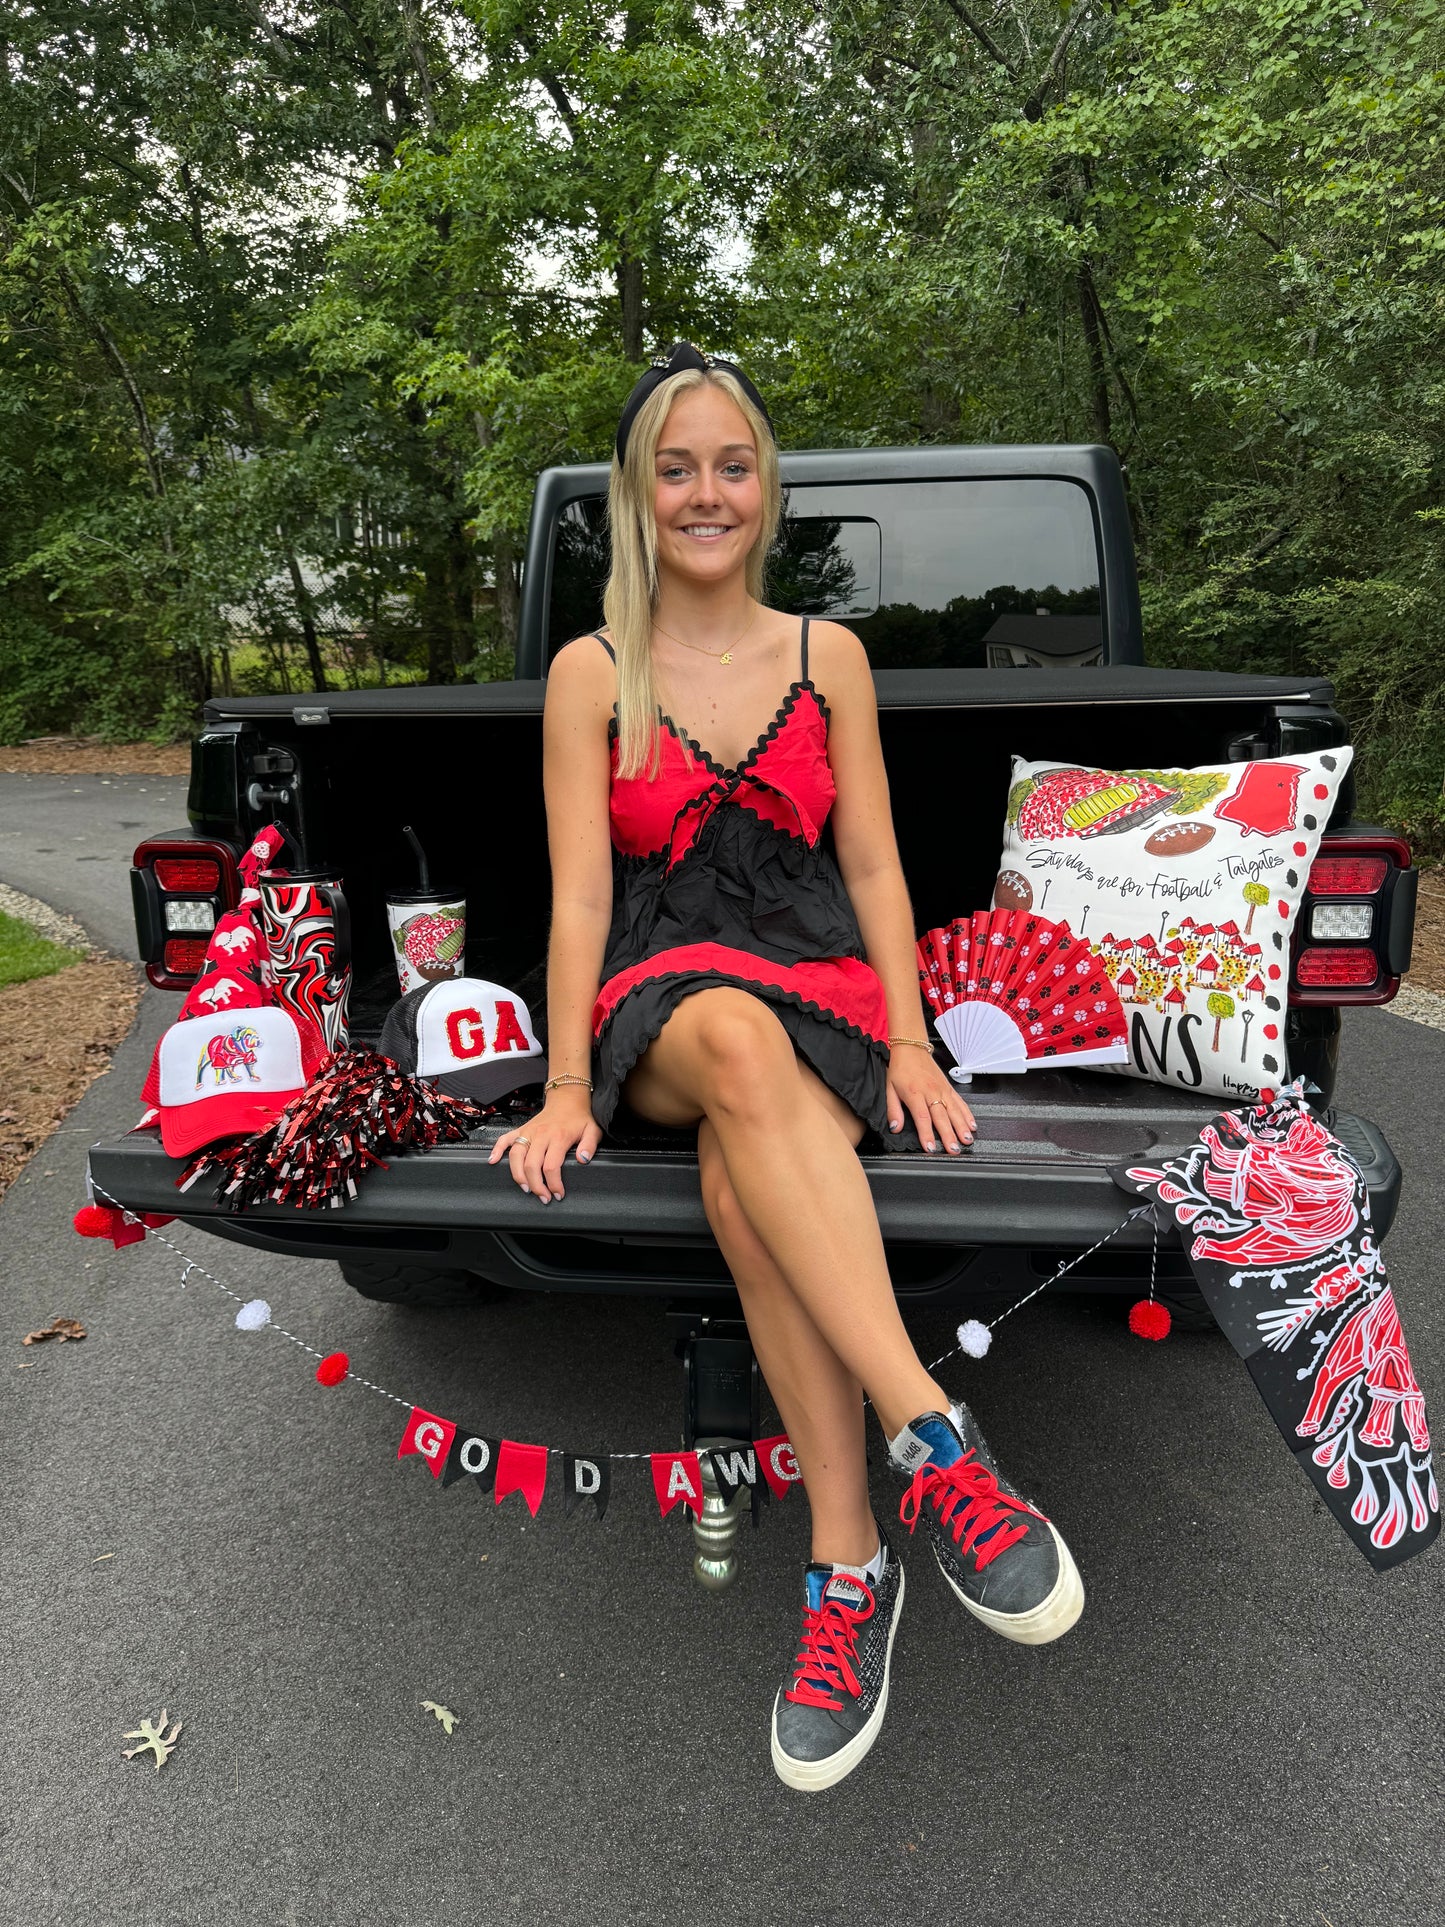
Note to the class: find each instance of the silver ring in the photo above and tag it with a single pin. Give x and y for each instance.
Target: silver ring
(519, 1139)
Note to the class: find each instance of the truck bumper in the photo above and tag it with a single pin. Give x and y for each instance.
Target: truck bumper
(1036, 1181)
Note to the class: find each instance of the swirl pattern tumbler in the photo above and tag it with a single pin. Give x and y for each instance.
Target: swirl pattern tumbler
(308, 933)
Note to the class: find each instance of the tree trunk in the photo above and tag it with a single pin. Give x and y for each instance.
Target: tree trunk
(463, 614)
(1098, 366)
(436, 615)
(507, 590)
(629, 296)
(306, 609)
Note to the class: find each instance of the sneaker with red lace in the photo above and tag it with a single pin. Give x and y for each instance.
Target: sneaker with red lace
(1006, 1561)
(826, 1719)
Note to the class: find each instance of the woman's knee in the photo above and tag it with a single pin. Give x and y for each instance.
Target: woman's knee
(745, 1057)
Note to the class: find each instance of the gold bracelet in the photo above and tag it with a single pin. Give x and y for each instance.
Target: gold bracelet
(918, 1043)
(567, 1078)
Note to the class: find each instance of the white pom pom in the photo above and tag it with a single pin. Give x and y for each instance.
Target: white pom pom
(974, 1337)
(253, 1317)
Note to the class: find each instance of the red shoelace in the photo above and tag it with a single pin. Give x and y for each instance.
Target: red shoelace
(824, 1667)
(966, 1496)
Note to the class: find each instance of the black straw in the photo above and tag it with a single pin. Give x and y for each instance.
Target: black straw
(415, 841)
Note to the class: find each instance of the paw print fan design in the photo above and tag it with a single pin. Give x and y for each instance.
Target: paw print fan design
(1010, 991)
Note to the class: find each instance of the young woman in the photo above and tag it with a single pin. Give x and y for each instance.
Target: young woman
(714, 965)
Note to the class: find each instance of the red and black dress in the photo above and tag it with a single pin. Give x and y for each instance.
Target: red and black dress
(721, 877)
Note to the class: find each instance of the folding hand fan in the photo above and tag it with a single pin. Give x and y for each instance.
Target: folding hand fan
(1009, 990)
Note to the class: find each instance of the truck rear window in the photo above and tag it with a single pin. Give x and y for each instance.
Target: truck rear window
(988, 572)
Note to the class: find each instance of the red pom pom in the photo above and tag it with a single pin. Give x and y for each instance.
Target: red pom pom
(94, 1221)
(333, 1368)
(1149, 1319)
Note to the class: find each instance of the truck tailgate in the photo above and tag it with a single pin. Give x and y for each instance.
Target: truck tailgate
(1037, 1174)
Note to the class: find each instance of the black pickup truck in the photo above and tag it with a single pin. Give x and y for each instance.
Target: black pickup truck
(994, 589)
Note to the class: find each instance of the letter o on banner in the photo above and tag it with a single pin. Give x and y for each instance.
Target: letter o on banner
(475, 1455)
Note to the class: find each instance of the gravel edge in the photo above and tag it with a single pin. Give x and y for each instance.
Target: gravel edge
(47, 922)
(1420, 1006)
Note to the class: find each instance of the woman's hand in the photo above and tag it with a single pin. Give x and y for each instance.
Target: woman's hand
(917, 1088)
(535, 1151)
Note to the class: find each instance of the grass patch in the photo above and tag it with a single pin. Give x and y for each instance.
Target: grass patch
(24, 955)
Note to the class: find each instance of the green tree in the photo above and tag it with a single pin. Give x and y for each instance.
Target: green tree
(1220, 1007)
(1256, 895)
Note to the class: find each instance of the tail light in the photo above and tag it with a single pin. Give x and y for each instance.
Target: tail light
(180, 886)
(1356, 920)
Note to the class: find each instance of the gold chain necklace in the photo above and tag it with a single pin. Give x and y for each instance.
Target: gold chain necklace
(727, 654)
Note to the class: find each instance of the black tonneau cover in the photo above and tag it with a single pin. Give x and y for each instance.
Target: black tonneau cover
(897, 689)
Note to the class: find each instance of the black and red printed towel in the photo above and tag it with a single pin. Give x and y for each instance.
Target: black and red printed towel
(1275, 1217)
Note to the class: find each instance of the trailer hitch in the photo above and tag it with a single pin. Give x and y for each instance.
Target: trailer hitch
(721, 1388)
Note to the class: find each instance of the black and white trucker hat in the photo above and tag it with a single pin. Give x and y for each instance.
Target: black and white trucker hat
(471, 1038)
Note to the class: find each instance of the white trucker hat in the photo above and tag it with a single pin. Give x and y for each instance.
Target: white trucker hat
(229, 1075)
(470, 1038)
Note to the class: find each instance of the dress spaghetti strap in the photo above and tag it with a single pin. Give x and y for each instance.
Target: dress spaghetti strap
(605, 644)
(803, 651)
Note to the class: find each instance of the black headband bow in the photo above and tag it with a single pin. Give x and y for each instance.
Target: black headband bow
(681, 355)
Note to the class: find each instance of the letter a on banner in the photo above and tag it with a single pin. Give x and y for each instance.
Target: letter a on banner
(677, 1479)
(522, 1468)
(472, 1457)
(429, 1436)
(584, 1478)
(780, 1467)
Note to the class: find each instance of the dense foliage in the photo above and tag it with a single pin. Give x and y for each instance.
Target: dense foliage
(296, 299)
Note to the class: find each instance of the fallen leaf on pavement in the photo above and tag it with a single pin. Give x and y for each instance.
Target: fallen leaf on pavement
(58, 1328)
(447, 1718)
(153, 1738)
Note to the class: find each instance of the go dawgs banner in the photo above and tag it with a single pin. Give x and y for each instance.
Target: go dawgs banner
(498, 1467)
(1276, 1220)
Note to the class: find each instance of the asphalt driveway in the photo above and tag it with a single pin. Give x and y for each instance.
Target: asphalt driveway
(1244, 1728)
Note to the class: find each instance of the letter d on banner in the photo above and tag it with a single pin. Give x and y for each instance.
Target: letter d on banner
(584, 1478)
(429, 1436)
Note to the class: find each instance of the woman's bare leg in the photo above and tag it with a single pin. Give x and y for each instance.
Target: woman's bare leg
(724, 1056)
(820, 1401)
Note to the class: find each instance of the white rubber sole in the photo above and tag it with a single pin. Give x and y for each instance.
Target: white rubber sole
(1050, 1620)
(811, 1776)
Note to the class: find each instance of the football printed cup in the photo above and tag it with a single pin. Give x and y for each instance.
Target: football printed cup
(429, 936)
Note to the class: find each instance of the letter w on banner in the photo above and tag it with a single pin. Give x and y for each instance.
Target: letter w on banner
(428, 1436)
(677, 1480)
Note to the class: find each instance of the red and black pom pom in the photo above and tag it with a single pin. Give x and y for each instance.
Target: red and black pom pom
(327, 1138)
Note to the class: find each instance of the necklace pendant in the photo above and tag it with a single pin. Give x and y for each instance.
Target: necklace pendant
(726, 656)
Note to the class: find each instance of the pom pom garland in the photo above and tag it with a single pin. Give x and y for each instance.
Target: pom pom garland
(974, 1337)
(326, 1138)
(121, 1227)
(254, 1316)
(333, 1368)
(1149, 1319)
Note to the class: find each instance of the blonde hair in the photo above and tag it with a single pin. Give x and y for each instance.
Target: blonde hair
(631, 595)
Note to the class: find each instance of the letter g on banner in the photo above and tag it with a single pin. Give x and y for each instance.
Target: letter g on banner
(428, 1436)
(780, 1465)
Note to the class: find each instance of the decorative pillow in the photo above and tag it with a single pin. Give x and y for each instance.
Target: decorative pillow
(1185, 883)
